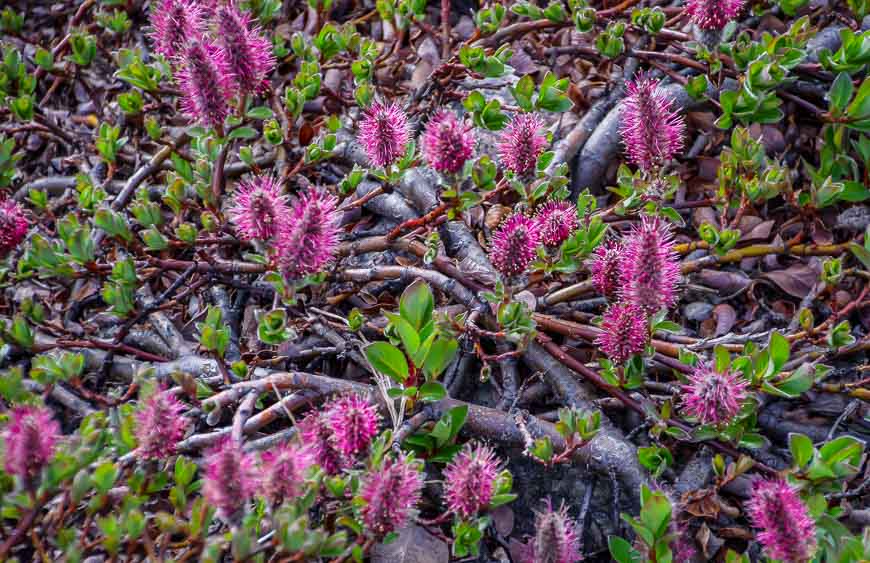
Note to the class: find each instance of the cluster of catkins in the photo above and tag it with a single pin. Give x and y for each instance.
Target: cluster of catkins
(639, 274)
(217, 52)
(514, 245)
(338, 436)
(447, 142)
(232, 476)
(653, 133)
(335, 437)
(220, 56)
(305, 234)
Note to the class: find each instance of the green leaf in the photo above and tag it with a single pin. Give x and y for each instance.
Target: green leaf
(474, 101)
(104, 476)
(696, 87)
(840, 93)
(154, 239)
(388, 360)
(410, 337)
(844, 448)
(498, 500)
(655, 458)
(860, 106)
(432, 391)
(779, 350)
(656, 513)
(800, 381)
(242, 133)
(260, 112)
(416, 304)
(753, 440)
(523, 92)
(801, 448)
(621, 550)
(723, 358)
(861, 254)
(440, 354)
(44, 58)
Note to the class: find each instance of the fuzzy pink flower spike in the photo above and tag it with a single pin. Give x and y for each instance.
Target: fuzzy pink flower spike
(556, 539)
(650, 266)
(283, 471)
(230, 477)
(788, 531)
(173, 24)
(13, 226)
(514, 244)
(469, 480)
(391, 494)
(558, 221)
(604, 268)
(249, 53)
(309, 238)
(714, 397)
(384, 134)
(29, 440)
(208, 7)
(160, 426)
(522, 143)
(626, 332)
(259, 208)
(651, 129)
(713, 14)
(354, 423)
(447, 142)
(206, 83)
(683, 546)
(317, 434)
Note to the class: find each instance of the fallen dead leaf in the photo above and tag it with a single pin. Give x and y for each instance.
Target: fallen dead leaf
(797, 280)
(414, 545)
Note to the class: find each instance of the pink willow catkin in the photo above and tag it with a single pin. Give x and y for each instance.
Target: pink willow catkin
(282, 471)
(259, 209)
(558, 221)
(712, 396)
(309, 238)
(384, 133)
(447, 142)
(249, 54)
(230, 477)
(206, 83)
(29, 441)
(522, 143)
(604, 267)
(354, 422)
(788, 532)
(713, 14)
(625, 332)
(514, 244)
(173, 24)
(651, 129)
(390, 495)
(160, 425)
(469, 480)
(650, 266)
(556, 539)
(317, 435)
(13, 226)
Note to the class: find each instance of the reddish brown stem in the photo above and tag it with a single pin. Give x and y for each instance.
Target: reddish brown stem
(419, 221)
